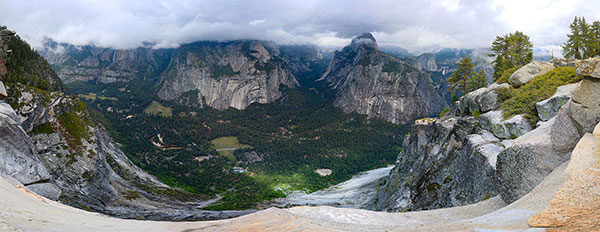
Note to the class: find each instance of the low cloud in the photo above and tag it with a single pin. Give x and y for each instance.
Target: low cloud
(410, 24)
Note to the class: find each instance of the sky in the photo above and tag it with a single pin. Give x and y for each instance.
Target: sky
(413, 24)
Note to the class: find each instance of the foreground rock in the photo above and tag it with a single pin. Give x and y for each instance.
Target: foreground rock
(368, 81)
(446, 162)
(528, 72)
(576, 204)
(481, 100)
(505, 129)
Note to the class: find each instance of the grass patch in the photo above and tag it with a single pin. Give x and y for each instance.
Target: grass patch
(75, 128)
(540, 88)
(227, 145)
(131, 195)
(156, 108)
(223, 71)
(445, 111)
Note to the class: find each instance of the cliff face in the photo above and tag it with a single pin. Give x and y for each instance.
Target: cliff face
(445, 162)
(104, 65)
(222, 75)
(50, 144)
(370, 82)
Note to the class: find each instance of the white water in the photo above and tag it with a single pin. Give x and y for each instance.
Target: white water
(357, 192)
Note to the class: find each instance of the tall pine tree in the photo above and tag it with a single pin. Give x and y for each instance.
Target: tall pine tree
(511, 50)
(575, 46)
(465, 79)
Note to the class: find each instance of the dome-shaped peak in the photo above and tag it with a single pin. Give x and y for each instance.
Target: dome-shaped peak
(365, 40)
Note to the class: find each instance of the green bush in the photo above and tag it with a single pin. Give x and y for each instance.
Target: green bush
(44, 128)
(506, 74)
(391, 66)
(540, 88)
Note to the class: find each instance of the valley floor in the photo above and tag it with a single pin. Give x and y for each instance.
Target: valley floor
(24, 210)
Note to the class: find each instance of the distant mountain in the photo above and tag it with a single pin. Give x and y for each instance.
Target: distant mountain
(368, 81)
(226, 74)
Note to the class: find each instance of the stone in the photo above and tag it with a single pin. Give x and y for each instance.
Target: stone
(565, 132)
(47, 190)
(527, 162)
(482, 100)
(589, 68)
(528, 72)
(597, 130)
(585, 109)
(548, 108)
(575, 206)
(504, 129)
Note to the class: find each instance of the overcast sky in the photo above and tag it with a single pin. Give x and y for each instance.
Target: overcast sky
(410, 24)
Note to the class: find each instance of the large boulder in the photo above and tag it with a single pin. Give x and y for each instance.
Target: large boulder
(548, 108)
(527, 162)
(504, 129)
(482, 100)
(528, 72)
(589, 68)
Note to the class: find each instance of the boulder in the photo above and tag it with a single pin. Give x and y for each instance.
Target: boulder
(504, 129)
(47, 190)
(528, 72)
(565, 62)
(589, 68)
(548, 108)
(524, 164)
(565, 132)
(482, 100)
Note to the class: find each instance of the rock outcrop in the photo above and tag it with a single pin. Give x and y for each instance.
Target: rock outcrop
(222, 75)
(370, 82)
(505, 129)
(445, 162)
(481, 100)
(528, 72)
(534, 155)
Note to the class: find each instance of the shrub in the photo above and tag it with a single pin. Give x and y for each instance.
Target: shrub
(540, 88)
(506, 74)
(476, 114)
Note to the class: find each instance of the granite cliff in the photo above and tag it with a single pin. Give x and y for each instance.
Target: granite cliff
(52, 146)
(368, 81)
(226, 74)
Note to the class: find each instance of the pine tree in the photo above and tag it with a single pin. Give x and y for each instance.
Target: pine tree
(465, 79)
(575, 45)
(511, 50)
(593, 39)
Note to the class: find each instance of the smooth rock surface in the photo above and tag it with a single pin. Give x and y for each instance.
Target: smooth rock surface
(527, 162)
(576, 204)
(528, 72)
(47, 190)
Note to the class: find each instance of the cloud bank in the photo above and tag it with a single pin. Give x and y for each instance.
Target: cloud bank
(410, 24)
